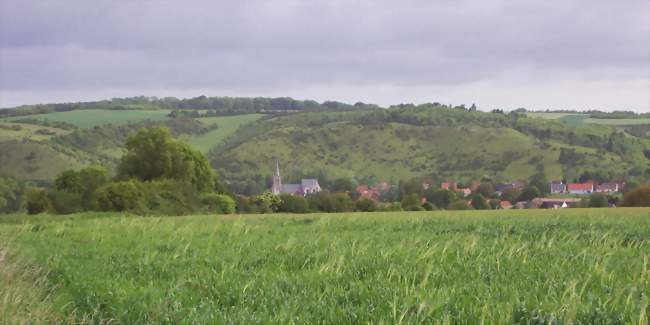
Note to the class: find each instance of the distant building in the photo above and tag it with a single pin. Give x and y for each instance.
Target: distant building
(448, 186)
(366, 192)
(607, 188)
(499, 188)
(562, 203)
(306, 186)
(580, 188)
(466, 191)
(505, 205)
(557, 187)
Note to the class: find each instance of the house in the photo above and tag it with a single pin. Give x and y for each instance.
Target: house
(505, 205)
(607, 188)
(448, 186)
(521, 205)
(369, 193)
(474, 186)
(561, 203)
(519, 185)
(466, 191)
(427, 184)
(306, 186)
(557, 187)
(580, 188)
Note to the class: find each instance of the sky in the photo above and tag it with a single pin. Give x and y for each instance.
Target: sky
(570, 54)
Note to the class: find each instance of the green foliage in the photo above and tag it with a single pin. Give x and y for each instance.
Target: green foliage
(479, 202)
(219, 203)
(510, 194)
(266, 202)
(325, 201)
(460, 205)
(638, 197)
(293, 204)
(439, 197)
(541, 182)
(598, 200)
(529, 193)
(36, 201)
(12, 193)
(411, 202)
(123, 196)
(366, 205)
(152, 154)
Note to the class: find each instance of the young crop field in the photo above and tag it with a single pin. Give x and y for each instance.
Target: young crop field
(93, 117)
(227, 126)
(585, 266)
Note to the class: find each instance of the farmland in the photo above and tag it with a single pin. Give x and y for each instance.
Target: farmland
(227, 126)
(579, 265)
(90, 118)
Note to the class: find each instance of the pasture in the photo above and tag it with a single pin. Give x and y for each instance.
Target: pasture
(227, 126)
(93, 117)
(572, 266)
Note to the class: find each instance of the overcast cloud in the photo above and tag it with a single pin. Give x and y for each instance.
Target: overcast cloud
(572, 54)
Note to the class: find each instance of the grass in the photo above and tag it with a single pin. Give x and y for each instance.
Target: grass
(28, 132)
(614, 121)
(571, 266)
(227, 126)
(90, 118)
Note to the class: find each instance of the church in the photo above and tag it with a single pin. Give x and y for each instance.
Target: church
(306, 186)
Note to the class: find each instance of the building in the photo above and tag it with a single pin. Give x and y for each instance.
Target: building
(306, 186)
(561, 203)
(448, 186)
(607, 188)
(580, 188)
(519, 185)
(505, 205)
(466, 191)
(557, 187)
(366, 192)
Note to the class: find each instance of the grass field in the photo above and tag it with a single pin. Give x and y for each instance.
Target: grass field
(27, 132)
(227, 126)
(534, 266)
(621, 121)
(90, 118)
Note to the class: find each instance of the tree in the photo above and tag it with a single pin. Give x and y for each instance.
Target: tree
(638, 197)
(510, 194)
(124, 196)
(330, 202)
(440, 197)
(479, 202)
(529, 193)
(153, 154)
(460, 205)
(411, 202)
(486, 189)
(267, 202)
(11, 195)
(598, 200)
(219, 203)
(540, 181)
(293, 204)
(37, 201)
(77, 187)
(366, 205)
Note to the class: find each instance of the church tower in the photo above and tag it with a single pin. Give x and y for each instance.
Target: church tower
(276, 188)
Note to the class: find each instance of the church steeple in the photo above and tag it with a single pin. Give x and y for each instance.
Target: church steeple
(276, 188)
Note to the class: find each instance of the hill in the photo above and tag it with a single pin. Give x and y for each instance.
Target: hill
(347, 141)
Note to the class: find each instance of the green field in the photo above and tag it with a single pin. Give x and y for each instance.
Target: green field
(585, 266)
(25, 131)
(90, 118)
(227, 126)
(619, 121)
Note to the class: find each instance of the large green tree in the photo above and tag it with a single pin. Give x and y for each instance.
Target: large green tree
(153, 154)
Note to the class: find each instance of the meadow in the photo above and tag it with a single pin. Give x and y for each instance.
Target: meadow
(527, 266)
(227, 126)
(94, 117)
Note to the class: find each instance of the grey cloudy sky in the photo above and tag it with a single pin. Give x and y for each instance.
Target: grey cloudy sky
(571, 54)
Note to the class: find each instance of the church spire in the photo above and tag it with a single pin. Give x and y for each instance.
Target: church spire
(276, 188)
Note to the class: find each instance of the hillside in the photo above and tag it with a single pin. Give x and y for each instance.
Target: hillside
(360, 142)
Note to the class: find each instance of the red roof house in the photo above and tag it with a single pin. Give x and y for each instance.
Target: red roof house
(580, 188)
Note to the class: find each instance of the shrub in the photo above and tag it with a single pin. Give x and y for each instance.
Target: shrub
(366, 205)
(411, 202)
(37, 201)
(12, 193)
(598, 200)
(330, 202)
(170, 197)
(219, 203)
(639, 197)
(293, 204)
(63, 202)
(460, 205)
(122, 196)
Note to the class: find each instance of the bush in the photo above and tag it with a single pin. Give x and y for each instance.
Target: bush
(460, 205)
(63, 202)
(37, 201)
(639, 197)
(219, 203)
(598, 200)
(122, 196)
(366, 205)
(12, 193)
(330, 202)
(293, 204)
(429, 207)
(411, 202)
